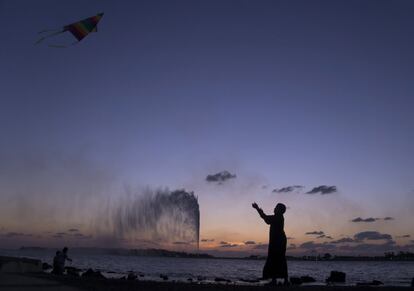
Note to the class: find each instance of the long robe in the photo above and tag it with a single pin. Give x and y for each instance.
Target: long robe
(276, 266)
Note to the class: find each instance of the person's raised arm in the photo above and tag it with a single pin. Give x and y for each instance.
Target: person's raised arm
(265, 217)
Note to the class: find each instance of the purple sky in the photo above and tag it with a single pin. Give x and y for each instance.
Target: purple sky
(279, 93)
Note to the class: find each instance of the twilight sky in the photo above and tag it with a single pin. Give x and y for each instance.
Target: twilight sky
(279, 93)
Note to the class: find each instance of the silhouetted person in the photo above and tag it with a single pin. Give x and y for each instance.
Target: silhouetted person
(56, 264)
(65, 256)
(276, 266)
(59, 261)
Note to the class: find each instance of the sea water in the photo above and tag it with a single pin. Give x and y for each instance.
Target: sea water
(396, 273)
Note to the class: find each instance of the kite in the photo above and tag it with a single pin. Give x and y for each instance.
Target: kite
(79, 29)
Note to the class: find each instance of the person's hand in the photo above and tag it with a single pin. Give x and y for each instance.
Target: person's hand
(255, 206)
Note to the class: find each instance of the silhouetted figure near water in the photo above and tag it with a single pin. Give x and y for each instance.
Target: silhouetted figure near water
(276, 266)
(59, 261)
(56, 264)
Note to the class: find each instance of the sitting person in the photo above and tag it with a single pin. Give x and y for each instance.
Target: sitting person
(56, 264)
(59, 261)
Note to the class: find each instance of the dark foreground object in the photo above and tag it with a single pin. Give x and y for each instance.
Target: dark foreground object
(135, 285)
(300, 280)
(336, 277)
(25, 282)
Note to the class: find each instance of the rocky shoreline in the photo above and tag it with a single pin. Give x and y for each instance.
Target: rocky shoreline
(336, 280)
(144, 285)
(97, 280)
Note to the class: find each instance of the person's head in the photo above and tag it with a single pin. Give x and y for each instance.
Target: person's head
(65, 250)
(280, 209)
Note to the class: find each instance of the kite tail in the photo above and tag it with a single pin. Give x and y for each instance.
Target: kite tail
(55, 32)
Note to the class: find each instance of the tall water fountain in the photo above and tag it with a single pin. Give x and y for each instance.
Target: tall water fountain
(162, 216)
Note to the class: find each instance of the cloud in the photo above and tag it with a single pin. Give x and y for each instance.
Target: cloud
(287, 189)
(224, 244)
(372, 235)
(315, 233)
(403, 236)
(369, 219)
(310, 245)
(324, 236)
(207, 240)
(73, 230)
(14, 234)
(181, 243)
(220, 177)
(61, 233)
(249, 242)
(82, 236)
(370, 248)
(229, 246)
(323, 189)
(343, 240)
(289, 237)
(261, 247)
(356, 248)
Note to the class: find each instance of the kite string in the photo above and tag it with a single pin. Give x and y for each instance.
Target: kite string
(49, 30)
(56, 32)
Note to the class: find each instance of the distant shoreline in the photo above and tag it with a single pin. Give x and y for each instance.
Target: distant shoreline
(390, 257)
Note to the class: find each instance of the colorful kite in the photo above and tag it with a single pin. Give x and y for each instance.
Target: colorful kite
(79, 29)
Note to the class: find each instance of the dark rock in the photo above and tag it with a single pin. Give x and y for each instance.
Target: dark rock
(164, 277)
(72, 271)
(219, 279)
(93, 274)
(190, 279)
(132, 276)
(46, 266)
(363, 284)
(248, 280)
(377, 283)
(373, 283)
(307, 279)
(295, 281)
(201, 278)
(336, 277)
